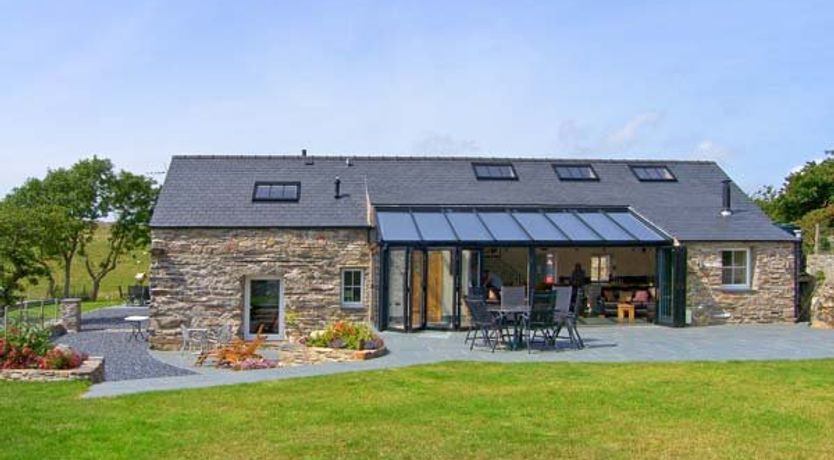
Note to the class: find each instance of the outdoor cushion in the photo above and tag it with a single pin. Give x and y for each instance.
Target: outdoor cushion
(641, 296)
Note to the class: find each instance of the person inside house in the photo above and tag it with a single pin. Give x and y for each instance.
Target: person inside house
(577, 281)
(493, 283)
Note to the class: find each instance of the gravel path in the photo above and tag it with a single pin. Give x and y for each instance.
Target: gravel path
(105, 333)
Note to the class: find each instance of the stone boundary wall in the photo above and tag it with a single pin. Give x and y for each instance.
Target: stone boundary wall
(198, 277)
(92, 370)
(822, 300)
(770, 298)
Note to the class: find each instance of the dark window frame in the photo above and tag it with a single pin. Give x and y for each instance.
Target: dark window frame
(476, 165)
(255, 197)
(594, 176)
(634, 169)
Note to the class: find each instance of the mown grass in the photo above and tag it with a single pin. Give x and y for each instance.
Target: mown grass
(124, 275)
(450, 410)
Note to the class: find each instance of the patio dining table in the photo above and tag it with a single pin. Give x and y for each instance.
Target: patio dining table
(517, 313)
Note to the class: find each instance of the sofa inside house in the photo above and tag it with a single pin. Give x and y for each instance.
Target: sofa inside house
(642, 297)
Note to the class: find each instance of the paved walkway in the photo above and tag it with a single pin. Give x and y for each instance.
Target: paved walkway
(604, 344)
(105, 333)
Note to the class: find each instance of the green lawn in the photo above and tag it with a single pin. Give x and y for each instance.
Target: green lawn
(127, 268)
(451, 410)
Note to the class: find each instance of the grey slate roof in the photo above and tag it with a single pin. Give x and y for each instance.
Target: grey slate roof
(216, 191)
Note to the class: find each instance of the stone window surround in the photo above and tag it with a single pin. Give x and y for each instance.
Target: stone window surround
(352, 305)
(748, 284)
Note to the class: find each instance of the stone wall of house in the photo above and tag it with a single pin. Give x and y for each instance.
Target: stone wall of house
(770, 297)
(198, 276)
(822, 301)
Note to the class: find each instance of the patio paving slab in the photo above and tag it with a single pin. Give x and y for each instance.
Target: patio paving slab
(604, 344)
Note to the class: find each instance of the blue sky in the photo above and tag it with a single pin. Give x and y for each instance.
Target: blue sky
(749, 84)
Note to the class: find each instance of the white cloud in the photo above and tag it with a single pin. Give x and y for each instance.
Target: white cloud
(573, 137)
(629, 134)
(443, 144)
(710, 150)
(798, 168)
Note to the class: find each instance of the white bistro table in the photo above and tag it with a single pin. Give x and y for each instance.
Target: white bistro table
(136, 326)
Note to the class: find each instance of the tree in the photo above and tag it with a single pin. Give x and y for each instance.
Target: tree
(129, 200)
(75, 196)
(21, 231)
(806, 190)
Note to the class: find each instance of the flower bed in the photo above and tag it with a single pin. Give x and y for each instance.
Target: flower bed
(27, 347)
(344, 340)
(92, 369)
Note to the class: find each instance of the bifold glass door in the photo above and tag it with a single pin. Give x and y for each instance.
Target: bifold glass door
(671, 285)
(396, 289)
(440, 289)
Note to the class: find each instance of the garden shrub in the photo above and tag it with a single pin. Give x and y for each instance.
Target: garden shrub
(28, 347)
(346, 334)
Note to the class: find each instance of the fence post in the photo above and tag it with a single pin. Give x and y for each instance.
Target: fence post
(5, 319)
(71, 314)
(42, 316)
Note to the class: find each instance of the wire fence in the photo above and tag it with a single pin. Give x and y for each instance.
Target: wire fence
(32, 312)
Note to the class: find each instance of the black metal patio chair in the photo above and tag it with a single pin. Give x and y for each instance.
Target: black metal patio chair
(484, 324)
(475, 293)
(541, 320)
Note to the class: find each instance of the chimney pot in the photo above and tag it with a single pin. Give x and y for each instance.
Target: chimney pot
(726, 205)
(303, 153)
(338, 184)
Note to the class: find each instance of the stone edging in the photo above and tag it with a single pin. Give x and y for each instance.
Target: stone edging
(358, 355)
(92, 370)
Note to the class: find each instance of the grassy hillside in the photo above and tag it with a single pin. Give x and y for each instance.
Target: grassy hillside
(128, 266)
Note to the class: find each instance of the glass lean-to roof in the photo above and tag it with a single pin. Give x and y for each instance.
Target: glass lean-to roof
(484, 226)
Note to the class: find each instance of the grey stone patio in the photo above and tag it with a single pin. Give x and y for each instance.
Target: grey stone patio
(604, 344)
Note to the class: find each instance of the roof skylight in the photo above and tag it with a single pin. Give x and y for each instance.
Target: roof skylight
(494, 171)
(276, 191)
(575, 172)
(653, 173)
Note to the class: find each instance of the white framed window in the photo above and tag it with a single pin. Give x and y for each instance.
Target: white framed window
(735, 268)
(601, 268)
(352, 291)
(263, 307)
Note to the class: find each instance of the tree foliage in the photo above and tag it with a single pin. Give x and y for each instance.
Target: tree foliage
(806, 198)
(77, 192)
(71, 202)
(808, 189)
(128, 199)
(21, 232)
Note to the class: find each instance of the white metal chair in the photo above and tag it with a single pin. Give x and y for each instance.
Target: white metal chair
(192, 338)
(220, 336)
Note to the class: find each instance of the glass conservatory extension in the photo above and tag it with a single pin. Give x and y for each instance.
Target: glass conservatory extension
(432, 256)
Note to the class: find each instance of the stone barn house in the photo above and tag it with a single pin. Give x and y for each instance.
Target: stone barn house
(287, 244)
